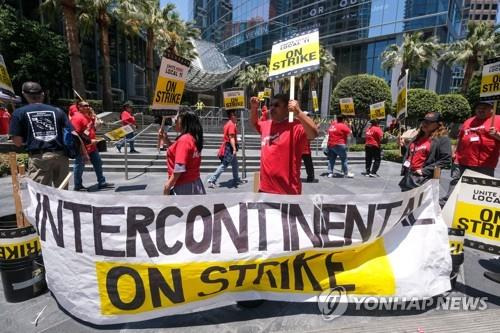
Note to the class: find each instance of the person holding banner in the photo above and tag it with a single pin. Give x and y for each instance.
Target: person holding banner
(373, 139)
(338, 134)
(478, 145)
(430, 149)
(84, 123)
(227, 151)
(127, 118)
(4, 120)
(282, 144)
(184, 157)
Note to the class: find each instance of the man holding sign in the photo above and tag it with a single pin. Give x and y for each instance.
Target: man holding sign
(282, 144)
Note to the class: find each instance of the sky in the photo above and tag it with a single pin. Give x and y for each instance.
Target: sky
(180, 5)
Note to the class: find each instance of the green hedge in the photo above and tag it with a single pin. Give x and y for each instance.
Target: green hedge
(393, 156)
(455, 108)
(422, 101)
(386, 146)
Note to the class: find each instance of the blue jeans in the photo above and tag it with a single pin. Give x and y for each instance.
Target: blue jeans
(129, 142)
(333, 152)
(95, 159)
(223, 166)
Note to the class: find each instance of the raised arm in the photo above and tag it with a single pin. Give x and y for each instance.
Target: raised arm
(254, 116)
(308, 124)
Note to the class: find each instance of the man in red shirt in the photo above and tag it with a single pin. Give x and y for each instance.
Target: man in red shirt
(73, 108)
(84, 124)
(337, 145)
(373, 138)
(127, 118)
(478, 145)
(282, 144)
(228, 150)
(4, 120)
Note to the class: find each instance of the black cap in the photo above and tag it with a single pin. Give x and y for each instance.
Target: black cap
(490, 103)
(32, 88)
(433, 117)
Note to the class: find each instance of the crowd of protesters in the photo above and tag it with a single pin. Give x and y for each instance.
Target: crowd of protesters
(285, 145)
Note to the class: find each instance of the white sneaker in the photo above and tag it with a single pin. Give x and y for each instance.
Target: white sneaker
(349, 175)
(330, 175)
(374, 175)
(211, 184)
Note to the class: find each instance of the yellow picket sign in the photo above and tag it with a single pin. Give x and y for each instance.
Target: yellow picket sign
(402, 103)
(171, 82)
(315, 101)
(261, 96)
(347, 106)
(119, 133)
(377, 110)
(490, 81)
(267, 92)
(294, 56)
(5, 82)
(234, 99)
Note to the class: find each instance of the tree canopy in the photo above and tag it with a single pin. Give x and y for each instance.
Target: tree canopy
(422, 101)
(454, 107)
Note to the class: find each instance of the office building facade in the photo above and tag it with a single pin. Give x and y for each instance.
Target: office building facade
(356, 32)
(482, 10)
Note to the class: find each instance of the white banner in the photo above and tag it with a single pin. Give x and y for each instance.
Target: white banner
(114, 259)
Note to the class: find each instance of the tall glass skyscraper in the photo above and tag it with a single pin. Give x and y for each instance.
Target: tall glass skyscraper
(355, 31)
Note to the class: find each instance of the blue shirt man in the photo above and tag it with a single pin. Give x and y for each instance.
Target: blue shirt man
(39, 127)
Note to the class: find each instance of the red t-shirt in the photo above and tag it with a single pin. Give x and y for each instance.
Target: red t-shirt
(84, 124)
(127, 118)
(418, 152)
(265, 114)
(373, 136)
(4, 121)
(337, 134)
(72, 110)
(476, 147)
(184, 151)
(307, 148)
(282, 144)
(230, 128)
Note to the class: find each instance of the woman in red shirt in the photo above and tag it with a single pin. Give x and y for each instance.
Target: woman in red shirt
(430, 149)
(127, 118)
(184, 157)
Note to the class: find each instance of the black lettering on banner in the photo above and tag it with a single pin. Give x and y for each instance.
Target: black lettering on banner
(285, 226)
(296, 214)
(388, 207)
(77, 209)
(157, 283)
(463, 222)
(239, 238)
(32, 248)
(299, 264)
(205, 277)
(262, 207)
(160, 231)
(285, 275)
(37, 212)
(487, 215)
(269, 273)
(242, 272)
(99, 228)
(333, 267)
(140, 226)
(57, 232)
(112, 278)
(191, 244)
(410, 207)
(353, 216)
(327, 225)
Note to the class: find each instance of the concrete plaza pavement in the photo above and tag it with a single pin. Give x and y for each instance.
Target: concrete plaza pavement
(270, 316)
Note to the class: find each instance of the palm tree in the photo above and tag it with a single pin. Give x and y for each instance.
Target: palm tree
(70, 13)
(102, 13)
(148, 16)
(252, 78)
(414, 54)
(327, 64)
(176, 36)
(482, 42)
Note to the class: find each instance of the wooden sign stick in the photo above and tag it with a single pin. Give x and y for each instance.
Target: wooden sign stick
(292, 97)
(15, 190)
(495, 104)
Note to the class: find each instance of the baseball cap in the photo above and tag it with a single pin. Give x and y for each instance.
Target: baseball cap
(490, 103)
(127, 103)
(32, 88)
(432, 117)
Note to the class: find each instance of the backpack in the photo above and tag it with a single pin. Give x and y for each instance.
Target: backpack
(71, 142)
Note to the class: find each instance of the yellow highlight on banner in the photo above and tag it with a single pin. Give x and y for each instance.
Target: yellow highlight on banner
(479, 221)
(130, 288)
(14, 251)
